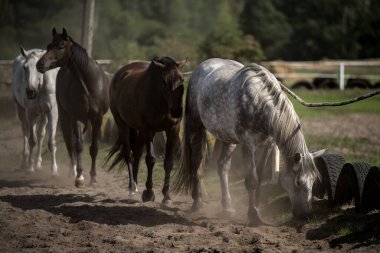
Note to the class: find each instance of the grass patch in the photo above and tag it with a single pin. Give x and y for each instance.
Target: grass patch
(367, 106)
(343, 231)
(353, 149)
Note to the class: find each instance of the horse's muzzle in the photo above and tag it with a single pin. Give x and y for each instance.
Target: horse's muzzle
(31, 93)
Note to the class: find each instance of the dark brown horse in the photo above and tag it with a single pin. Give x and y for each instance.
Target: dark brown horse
(82, 97)
(146, 98)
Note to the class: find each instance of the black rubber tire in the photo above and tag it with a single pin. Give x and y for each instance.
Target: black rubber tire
(351, 183)
(376, 86)
(329, 167)
(302, 84)
(360, 83)
(325, 83)
(371, 190)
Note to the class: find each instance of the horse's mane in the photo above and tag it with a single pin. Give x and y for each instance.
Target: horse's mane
(167, 61)
(282, 122)
(79, 55)
(170, 71)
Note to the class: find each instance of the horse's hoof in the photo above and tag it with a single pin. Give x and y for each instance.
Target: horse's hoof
(30, 170)
(197, 206)
(255, 219)
(133, 189)
(148, 195)
(38, 166)
(229, 212)
(93, 182)
(79, 182)
(167, 202)
(55, 174)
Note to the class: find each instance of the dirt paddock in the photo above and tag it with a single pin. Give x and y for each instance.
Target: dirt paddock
(43, 214)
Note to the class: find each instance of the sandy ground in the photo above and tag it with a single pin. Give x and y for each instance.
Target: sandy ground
(43, 214)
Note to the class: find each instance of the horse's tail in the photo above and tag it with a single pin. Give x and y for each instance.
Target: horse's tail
(193, 160)
(117, 149)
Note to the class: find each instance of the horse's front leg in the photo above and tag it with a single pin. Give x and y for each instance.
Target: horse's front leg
(172, 142)
(96, 125)
(52, 129)
(148, 194)
(40, 139)
(21, 112)
(252, 185)
(79, 180)
(224, 166)
(32, 139)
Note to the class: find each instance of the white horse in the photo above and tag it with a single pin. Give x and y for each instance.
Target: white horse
(34, 94)
(244, 105)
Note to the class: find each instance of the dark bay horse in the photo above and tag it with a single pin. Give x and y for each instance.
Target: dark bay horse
(82, 97)
(244, 105)
(146, 97)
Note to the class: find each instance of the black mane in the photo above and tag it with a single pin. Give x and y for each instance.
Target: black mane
(167, 61)
(78, 54)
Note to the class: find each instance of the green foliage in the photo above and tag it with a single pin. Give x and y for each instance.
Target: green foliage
(264, 21)
(244, 30)
(227, 41)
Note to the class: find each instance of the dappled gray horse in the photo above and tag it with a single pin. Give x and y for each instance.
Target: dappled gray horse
(246, 105)
(34, 94)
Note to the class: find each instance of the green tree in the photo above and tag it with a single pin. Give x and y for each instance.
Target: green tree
(267, 24)
(227, 40)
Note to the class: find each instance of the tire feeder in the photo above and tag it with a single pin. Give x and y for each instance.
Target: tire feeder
(350, 184)
(329, 167)
(371, 190)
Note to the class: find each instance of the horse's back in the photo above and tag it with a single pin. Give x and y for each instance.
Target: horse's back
(211, 98)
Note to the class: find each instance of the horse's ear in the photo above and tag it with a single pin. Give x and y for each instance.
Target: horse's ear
(182, 63)
(23, 52)
(158, 64)
(318, 153)
(64, 34)
(54, 32)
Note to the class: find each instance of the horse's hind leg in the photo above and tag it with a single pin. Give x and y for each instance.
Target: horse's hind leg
(52, 128)
(137, 146)
(96, 125)
(251, 184)
(148, 194)
(41, 125)
(68, 136)
(172, 141)
(197, 139)
(224, 165)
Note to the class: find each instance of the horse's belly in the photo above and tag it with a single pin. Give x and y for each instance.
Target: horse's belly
(221, 125)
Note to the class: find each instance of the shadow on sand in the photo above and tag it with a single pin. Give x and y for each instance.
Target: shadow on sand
(84, 208)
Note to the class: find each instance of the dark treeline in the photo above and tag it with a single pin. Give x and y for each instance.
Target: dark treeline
(246, 30)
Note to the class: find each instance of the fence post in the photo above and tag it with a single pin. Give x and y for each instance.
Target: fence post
(341, 82)
(88, 24)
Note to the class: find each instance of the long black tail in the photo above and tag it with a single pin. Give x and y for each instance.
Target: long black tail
(118, 150)
(187, 174)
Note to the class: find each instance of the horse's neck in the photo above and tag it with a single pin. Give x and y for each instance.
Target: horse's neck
(78, 69)
(286, 131)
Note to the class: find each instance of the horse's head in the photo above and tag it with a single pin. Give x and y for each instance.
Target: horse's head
(298, 179)
(171, 76)
(33, 79)
(58, 52)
